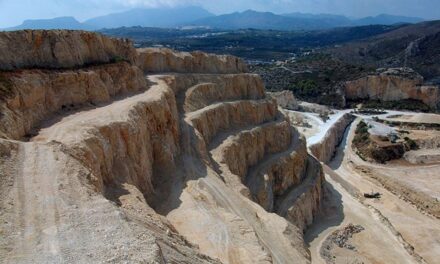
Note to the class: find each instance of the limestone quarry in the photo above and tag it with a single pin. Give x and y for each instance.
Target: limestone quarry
(392, 85)
(111, 154)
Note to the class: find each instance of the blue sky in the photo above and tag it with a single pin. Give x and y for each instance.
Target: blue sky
(13, 12)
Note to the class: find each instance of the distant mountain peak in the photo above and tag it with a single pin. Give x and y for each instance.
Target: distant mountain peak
(151, 17)
(65, 22)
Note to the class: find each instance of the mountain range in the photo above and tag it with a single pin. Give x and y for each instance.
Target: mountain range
(54, 23)
(152, 17)
(199, 17)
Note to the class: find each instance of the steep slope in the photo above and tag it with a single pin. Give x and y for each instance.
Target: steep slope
(104, 164)
(393, 85)
(60, 49)
(414, 46)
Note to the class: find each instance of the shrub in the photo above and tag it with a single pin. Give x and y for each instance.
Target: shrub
(411, 143)
(361, 135)
(406, 104)
(118, 59)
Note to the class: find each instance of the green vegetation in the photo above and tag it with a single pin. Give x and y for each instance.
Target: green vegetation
(391, 50)
(314, 77)
(118, 59)
(312, 64)
(383, 154)
(387, 149)
(306, 88)
(411, 144)
(361, 140)
(252, 44)
(406, 104)
(362, 137)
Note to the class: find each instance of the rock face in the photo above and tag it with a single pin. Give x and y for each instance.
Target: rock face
(105, 163)
(393, 85)
(60, 49)
(424, 156)
(325, 149)
(154, 60)
(37, 94)
(285, 99)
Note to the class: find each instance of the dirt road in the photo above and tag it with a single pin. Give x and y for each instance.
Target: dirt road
(417, 229)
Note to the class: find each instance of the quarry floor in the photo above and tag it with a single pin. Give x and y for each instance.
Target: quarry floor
(395, 231)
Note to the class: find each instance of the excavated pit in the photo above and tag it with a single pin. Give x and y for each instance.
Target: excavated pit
(187, 166)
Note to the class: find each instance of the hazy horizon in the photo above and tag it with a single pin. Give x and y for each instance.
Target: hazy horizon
(14, 12)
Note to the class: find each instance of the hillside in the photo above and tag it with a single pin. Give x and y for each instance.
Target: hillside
(415, 46)
(294, 21)
(251, 44)
(385, 19)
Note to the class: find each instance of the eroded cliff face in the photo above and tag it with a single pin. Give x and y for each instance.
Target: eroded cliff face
(166, 60)
(35, 95)
(60, 49)
(285, 99)
(392, 85)
(325, 149)
(181, 167)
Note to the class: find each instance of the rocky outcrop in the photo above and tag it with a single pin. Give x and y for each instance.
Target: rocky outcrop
(325, 149)
(423, 156)
(285, 99)
(431, 142)
(175, 168)
(35, 95)
(278, 174)
(155, 60)
(314, 108)
(393, 85)
(238, 153)
(211, 89)
(211, 120)
(141, 140)
(303, 202)
(56, 49)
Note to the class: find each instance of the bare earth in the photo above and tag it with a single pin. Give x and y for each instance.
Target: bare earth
(416, 228)
(109, 165)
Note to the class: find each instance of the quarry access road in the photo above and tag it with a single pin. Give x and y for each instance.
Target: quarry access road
(408, 224)
(376, 244)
